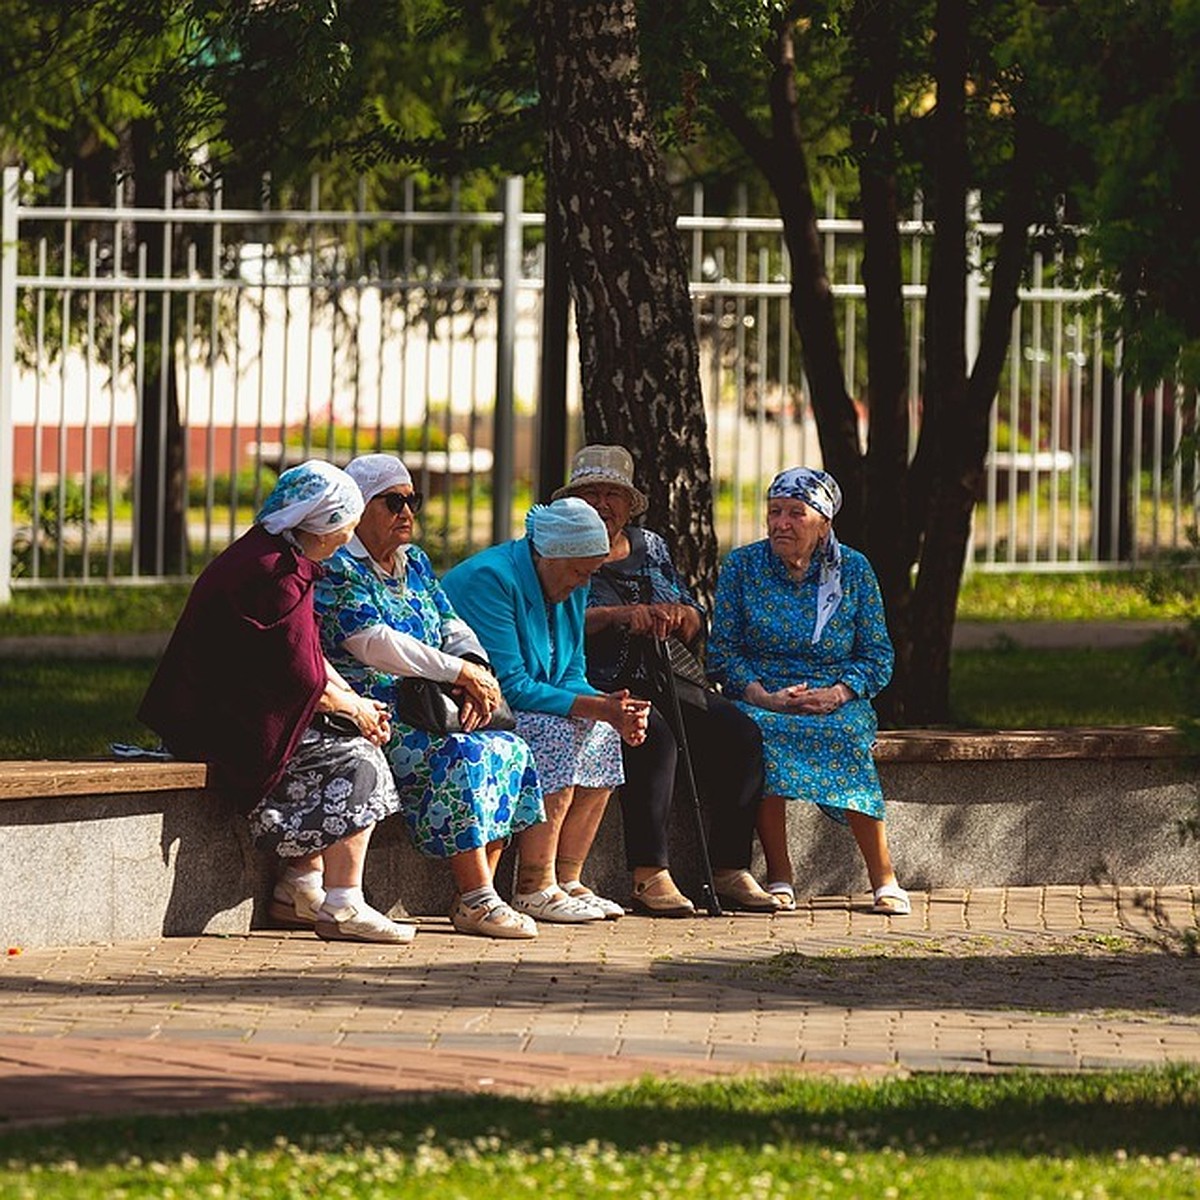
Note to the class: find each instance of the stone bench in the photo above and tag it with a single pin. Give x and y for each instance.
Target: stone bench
(107, 851)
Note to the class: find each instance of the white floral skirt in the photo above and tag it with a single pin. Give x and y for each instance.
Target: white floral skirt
(572, 751)
(333, 787)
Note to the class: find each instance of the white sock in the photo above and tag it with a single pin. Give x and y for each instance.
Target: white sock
(339, 898)
(547, 893)
(304, 880)
(481, 895)
(310, 877)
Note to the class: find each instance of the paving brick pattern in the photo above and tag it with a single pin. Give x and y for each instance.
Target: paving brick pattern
(981, 980)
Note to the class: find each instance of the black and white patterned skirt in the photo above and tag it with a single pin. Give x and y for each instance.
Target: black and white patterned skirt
(333, 787)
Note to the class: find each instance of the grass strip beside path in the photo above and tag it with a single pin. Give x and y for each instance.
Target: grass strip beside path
(945, 1136)
(74, 708)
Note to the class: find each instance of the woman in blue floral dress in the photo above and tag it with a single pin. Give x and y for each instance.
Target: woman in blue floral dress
(383, 615)
(800, 641)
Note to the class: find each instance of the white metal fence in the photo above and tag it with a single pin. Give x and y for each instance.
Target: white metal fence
(289, 333)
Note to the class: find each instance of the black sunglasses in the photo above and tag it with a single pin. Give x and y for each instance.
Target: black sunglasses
(396, 503)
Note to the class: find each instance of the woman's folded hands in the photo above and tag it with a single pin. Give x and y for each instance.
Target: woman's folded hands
(799, 698)
(371, 717)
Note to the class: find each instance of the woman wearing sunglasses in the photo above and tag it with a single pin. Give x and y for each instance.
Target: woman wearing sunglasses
(383, 617)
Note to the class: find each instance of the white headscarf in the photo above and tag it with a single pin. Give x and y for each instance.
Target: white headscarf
(375, 473)
(820, 491)
(316, 496)
(568, 528)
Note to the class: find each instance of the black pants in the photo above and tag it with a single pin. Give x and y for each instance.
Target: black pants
(726, 749)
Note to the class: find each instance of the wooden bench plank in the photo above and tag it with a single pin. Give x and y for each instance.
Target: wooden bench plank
(999, 745)
(27, 780)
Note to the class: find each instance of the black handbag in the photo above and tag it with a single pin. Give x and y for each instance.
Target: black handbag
(691, 683)
(431, 706)
(338, 724)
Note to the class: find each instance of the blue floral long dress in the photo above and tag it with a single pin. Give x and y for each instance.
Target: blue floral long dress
(762, 630)
(458, 792)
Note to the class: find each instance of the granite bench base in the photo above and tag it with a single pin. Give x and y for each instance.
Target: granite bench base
(101, 851)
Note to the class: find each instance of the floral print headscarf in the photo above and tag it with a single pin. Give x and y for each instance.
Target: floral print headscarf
(820, 491)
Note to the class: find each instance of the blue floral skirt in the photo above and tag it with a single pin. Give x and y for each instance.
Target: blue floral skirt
(572, 751)
(822, 757)
(332, 787)
(465, 790)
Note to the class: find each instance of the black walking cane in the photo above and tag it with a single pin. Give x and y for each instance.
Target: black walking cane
(675, 720)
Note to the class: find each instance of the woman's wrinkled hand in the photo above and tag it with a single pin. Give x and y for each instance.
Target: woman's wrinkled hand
(662, 620)
(639, 619)
(628, 715)
(371, 717)
(819, 700)
(477, 691)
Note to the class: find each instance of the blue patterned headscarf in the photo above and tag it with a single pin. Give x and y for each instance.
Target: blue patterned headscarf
(568, 528)
(820, 491)
(316, 496)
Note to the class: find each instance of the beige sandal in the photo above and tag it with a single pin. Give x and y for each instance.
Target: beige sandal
(659, 897)
(784, 892)
(497, 920)
(738, 889)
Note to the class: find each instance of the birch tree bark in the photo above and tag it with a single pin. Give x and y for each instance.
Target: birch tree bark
(639, 356)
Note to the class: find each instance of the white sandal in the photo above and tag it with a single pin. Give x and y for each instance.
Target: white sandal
(580, 891)
(556, 908)
(892, 900)
(785, 892)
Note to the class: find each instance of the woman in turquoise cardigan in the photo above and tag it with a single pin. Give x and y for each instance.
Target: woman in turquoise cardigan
(526, 601)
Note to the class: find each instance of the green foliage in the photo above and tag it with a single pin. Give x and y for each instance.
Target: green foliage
(1006, 1136)
(1121, 83)
(50, 508)
(365, 441)
(249, 482)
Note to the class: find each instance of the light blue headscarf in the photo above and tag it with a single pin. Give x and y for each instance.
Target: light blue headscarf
(316, 496)
(820, 491)
(568, 528)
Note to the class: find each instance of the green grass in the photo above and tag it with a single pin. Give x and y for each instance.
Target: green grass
(1112, 596)
(64, 708)
(1009, 687)
(1128, 1135)
(92, 610)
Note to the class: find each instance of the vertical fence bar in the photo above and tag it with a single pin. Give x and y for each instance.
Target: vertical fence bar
(88, 362)
(114, 375)
(506, 333)
(166, 366)
(9, 201)
(210, 431)
(1076, 430)
(60, 516)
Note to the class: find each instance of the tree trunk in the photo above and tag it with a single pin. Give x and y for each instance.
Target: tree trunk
(161, 487)
(783, 159)
(873, 133)
(945, 448)
(639, 356)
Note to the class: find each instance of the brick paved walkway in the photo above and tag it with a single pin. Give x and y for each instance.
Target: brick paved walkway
(985, 980)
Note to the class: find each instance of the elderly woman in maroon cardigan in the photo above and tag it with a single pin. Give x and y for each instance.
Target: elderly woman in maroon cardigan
(244, 686)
